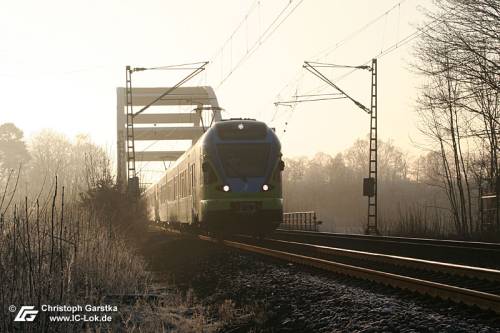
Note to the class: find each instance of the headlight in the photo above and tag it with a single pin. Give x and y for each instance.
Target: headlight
(265, 187)
(225, 188)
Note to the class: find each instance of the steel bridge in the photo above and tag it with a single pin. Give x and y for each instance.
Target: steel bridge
(181, 125)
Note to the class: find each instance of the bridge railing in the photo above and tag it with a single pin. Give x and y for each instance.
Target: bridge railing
(306, 221)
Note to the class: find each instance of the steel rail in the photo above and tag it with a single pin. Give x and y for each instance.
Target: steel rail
(480, 299)
(394, 239)
(474, 254)
(429, 265)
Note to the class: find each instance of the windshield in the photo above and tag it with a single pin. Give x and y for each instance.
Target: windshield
(244, 160)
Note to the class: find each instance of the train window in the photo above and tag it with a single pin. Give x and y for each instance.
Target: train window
(170, 191)
(188, 174)
(209, 176)
(244, 160)
(183, 184)
(193, 177)
(200, 172)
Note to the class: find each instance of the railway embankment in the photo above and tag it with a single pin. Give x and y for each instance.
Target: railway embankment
(243, 292)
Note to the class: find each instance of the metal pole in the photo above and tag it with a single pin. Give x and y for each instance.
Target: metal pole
(133, 181)
(372, 223)
(370, 183)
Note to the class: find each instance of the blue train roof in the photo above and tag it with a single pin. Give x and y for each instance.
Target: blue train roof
(241, 129)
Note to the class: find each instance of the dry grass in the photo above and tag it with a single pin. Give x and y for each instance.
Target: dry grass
(88, 252)
(417, 221)
(173, 312)
(76, 239)
(62, 253)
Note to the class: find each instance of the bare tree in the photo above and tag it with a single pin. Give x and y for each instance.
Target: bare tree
(459, 55)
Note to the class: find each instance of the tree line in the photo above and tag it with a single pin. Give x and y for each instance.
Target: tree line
(68, 235)
(333, 187)
(452, 187)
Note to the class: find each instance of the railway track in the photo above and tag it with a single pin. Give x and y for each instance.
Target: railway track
(461, 284)
(479, 254)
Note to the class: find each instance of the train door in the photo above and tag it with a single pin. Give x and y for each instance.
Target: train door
(185, 199)
(165, 199)
(177, 194)
(185, 202)
(156, 204)
(192, 184)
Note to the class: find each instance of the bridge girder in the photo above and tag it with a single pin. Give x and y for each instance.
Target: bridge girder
(201, 98)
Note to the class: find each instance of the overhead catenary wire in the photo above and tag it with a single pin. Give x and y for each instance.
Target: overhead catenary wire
(383, 52)
(187, 66)
(270, 29)
(195, 72)
(323, 64)
(311, 68)
(308, 100)
(329, 50)
(324, 53)
(238, 27)
(317, 95)
(198, 68)
(399, 43)
(262, 39)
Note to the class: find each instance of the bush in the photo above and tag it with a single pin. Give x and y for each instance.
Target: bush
(63, 253)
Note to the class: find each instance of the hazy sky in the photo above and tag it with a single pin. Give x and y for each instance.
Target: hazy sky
(62, 60)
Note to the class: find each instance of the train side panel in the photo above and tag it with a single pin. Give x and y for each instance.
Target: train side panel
(242, 156)
(180, 203)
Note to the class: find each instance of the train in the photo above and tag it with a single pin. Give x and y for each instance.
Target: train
(229, 181)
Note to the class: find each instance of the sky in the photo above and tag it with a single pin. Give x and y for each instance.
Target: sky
(61, 62)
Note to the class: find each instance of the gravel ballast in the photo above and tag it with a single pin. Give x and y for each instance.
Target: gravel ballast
(266, 295)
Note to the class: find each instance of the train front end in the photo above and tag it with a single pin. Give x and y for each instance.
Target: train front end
(241, 165)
